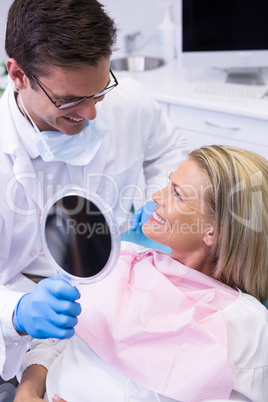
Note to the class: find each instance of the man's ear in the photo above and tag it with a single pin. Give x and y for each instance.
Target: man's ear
(16, 74)
(208, 237)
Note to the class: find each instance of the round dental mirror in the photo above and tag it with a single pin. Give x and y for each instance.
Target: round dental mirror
(80, 235)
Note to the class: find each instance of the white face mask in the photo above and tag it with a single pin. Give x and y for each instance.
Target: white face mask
(78, 149)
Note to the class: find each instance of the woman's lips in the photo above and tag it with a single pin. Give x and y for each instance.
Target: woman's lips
(156, 217)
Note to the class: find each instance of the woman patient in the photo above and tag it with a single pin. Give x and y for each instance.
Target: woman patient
(188, 326)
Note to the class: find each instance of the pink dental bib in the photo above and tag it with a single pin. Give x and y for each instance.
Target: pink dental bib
(161, 324)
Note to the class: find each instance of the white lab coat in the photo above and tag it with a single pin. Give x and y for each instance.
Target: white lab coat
(77, 373)
(139, 138)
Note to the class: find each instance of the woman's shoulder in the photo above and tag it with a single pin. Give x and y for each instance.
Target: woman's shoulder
(247, 306)
(247, 328)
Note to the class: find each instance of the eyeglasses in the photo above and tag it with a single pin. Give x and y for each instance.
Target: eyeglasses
(79, 100)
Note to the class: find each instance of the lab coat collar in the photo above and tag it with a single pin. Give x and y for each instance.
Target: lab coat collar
(16, 127)
(11, 144)
(25, 129)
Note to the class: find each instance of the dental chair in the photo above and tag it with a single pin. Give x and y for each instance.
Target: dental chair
(7, 390)
(266, 303)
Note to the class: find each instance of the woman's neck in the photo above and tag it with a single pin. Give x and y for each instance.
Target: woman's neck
(198, 260)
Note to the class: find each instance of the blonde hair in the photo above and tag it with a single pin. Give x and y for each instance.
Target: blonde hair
(238, 198)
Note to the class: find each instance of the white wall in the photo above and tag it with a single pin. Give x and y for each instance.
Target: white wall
(4, 7)
(139, 15)
(130, 16)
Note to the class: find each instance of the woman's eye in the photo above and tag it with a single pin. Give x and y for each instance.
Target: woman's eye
(177, 194)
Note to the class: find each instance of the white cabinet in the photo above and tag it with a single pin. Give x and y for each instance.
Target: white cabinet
(203, 118)
(206, 127)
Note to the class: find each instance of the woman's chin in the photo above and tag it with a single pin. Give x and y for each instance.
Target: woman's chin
(145, 229)
(154, 231)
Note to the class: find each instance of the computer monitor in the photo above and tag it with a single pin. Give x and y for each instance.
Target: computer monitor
(226, 34)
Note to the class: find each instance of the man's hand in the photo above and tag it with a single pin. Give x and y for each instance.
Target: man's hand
(142, 215)
(49, 311)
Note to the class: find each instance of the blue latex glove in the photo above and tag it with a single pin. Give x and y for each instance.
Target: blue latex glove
(142, 215)
(49, 311)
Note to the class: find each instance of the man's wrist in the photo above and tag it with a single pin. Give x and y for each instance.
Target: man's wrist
(18, 331)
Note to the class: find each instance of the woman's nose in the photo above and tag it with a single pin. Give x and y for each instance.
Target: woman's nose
(159, 197)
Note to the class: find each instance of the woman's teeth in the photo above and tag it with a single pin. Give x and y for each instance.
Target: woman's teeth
(158, 218)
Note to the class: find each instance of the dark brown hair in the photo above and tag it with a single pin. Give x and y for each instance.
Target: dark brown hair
(64, 33)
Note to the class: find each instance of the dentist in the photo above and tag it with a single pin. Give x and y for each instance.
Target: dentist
(58, 128)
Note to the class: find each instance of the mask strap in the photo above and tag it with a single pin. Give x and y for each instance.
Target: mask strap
(25, 112)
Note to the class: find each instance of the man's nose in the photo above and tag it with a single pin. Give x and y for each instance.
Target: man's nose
(87, 109)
